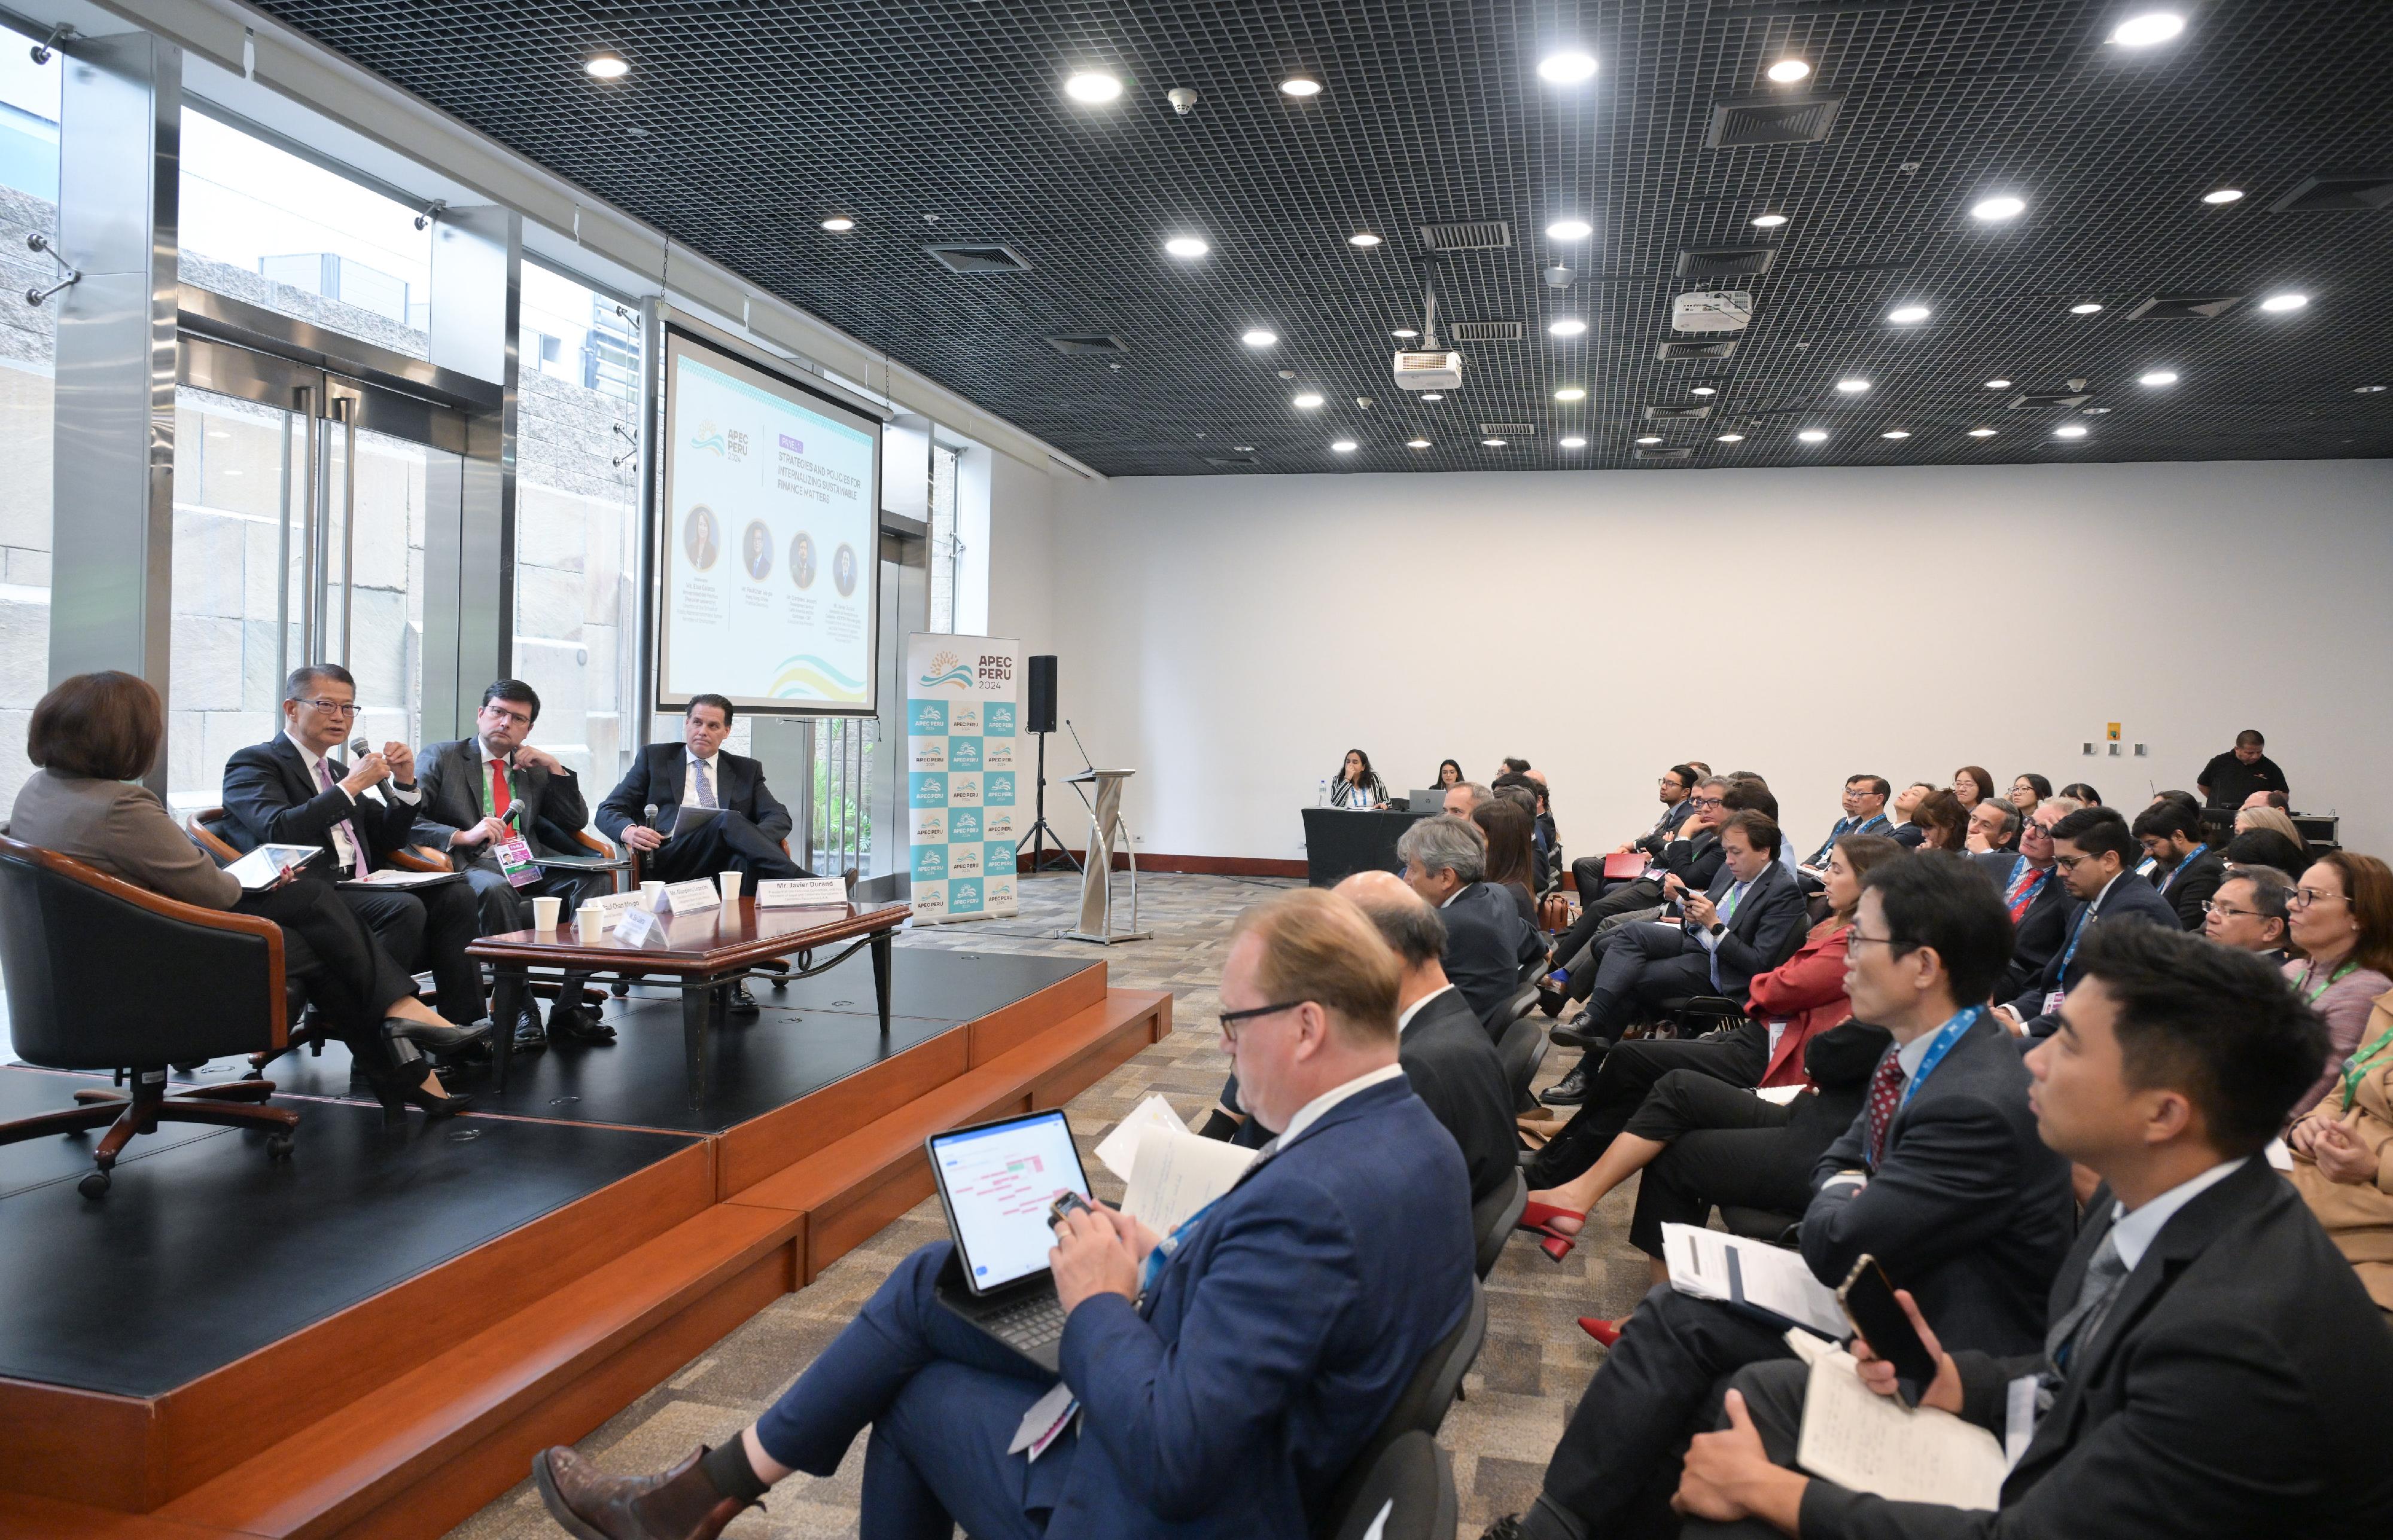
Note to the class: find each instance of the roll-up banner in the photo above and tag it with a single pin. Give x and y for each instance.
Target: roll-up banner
(964, 771)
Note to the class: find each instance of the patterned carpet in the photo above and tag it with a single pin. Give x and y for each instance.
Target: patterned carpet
(1533, 1368)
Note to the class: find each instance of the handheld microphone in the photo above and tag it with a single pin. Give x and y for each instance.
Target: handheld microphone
(649, 813)
(360, 747)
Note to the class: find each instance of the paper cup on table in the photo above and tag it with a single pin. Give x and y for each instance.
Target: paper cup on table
(589, 923)
(544, 912)
(648, 891)
(730, 881)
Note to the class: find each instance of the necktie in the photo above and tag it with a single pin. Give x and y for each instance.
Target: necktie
(357, 846)
(2105, 1270)
(2023, 892)
(1727, 913)
(705, 785)
(499, 794)
(1885, 1095)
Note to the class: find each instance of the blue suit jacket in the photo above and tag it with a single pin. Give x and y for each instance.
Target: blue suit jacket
(2130, 897)
(1232, 1399)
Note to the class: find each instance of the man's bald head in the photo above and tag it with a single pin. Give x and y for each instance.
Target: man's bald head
(1403, 918)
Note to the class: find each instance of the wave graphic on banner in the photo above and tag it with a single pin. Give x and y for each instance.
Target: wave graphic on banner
(805, 675)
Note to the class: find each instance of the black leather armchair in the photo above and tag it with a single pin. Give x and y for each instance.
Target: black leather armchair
(68, 936)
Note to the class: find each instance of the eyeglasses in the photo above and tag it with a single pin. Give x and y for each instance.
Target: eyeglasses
(2070, 863)
(2228, 911)
(518, 718)
(2042, 831)
(1231, 1020)
(2301, 898)
(1854, 938)
(334, 708)
(1705, 802)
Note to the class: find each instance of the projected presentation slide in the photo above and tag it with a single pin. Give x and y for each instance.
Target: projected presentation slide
(769, 590)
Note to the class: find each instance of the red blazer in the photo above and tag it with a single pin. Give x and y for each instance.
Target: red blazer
(1808, 992)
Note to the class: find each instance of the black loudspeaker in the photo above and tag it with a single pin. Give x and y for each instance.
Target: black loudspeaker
(1042, 694)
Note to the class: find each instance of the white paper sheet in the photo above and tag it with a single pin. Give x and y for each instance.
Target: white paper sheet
(2279, 1155)
(1780, 1094)
(1710, 1265)
(1175, 1173)
(1858, 1438)
(1119, 1149)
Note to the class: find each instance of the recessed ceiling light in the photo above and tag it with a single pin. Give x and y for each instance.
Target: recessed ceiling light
(606, 67)
(2223, 195)
(1570, 393)
(2143, 32)
(2281, 302)
(1994, 209)
(1343, 446)
(1093, 86)
(1187, 247)
(1362, 238)
(1258, 337)
(1403, 333)
(1434, 395)
(1300, 86)
(1574, 442)
(2097, 412)
(2367, 390)
(1305, 400)
(1570, 230)
(1731, 439)
(1908, 315)
(1701, 390)
(2088, 308)
(1813, 435)
(2072, 430)
(838, 223)
(1981, 432)
(1896, 433)
(1853, 387)
(1998, 384)
(1650, 439)
(1566, 69)
(1416, 443)
(1786, 71)
(1493, 443)
(1569, 326)
(2157, 377)
(1768, 221)
(1243, 449)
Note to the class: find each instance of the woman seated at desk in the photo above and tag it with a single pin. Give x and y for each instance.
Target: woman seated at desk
(91, 736)
(1356, 785)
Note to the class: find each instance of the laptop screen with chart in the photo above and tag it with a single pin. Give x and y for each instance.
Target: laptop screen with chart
(996, 1182)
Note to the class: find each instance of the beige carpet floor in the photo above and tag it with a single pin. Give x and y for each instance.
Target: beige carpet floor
(1533, 1368)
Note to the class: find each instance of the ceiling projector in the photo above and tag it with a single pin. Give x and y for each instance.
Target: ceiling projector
(1711, 310)
(1433, 371)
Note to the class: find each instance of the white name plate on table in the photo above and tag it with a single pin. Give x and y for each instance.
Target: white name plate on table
(693, 897)
(798, 892)
(638, 926)
(612, 906)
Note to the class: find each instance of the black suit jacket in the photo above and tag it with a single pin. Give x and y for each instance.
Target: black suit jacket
(1451, 1065)
(2191, 885)
(450, 776)
(2231, 1391)
(1486, 946)
(269, 799)
(2129, 897)
(1839, 1063)
(2039, 933)
(655, 777)
(1969, 1209)
(1666, 828)
(1768, 924)
(1695, 861)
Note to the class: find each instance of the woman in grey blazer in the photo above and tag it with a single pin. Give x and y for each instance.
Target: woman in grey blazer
(90, 737)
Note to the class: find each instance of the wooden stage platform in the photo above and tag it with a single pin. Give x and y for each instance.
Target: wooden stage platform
(372, 1338)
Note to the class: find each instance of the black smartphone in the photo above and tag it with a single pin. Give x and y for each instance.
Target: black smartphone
(1064, 1203)
(1869, 1302)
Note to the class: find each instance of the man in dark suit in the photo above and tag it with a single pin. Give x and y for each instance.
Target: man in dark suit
(1692, 854)
(293, 790)
(1675, 788)
(2186, 871)
(1942, 1178)
(1865, 814)
(1904, 832)
(1487, 944)
(2033, 892)
(2093, 851)
(1229, 1378)
(2213, 1367)
(477, 793)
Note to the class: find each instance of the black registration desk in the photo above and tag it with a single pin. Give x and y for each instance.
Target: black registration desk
(1341, 842)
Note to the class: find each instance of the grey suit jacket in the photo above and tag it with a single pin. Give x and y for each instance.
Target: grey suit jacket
(123, 830)
(450, 774)
(1487, 946)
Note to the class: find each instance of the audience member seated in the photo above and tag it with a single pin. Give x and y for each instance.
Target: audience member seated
(1971, 784)
(2263, 847)
(1228, 1379)
(1865, 814)
(1462, 797)
(2184, 870)
(2343, 926)
(1357, 785)
(1545, 840)
(1943, 823)
(2148, 866)
(1693, 855)
(2212, 1368)
(2249, 912)
(2276, 821)
(2090, 848)
(1487, 942)
(93, 737)
(2027, 789)
(2343, 1156)
(1992, 827)
(2031, 889)
(1942, 1178)
(478, 792)
(1511, 859)
(1449, 773)
(2083, 792)
(290, 791)
(1906, 832)
(1676, 791)
(2276, 800)
(2230, 779)
(1744, 1150)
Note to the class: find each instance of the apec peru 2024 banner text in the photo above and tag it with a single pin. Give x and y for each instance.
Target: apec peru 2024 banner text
(962, 714)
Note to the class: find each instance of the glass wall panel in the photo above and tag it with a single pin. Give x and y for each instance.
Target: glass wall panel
(29, 193)
(944, 544)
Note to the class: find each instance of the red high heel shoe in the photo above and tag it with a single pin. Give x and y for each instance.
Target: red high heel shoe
(1605, 1332)
(1536, 1218)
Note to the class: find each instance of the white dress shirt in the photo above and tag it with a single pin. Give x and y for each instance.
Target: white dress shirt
(692, 767)
(341, 845)
(2133, 1234)
(1405, 1017)
(1310, 1114)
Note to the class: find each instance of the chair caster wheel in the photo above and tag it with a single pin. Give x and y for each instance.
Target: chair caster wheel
(779, 984)
(93, 1186)
(278, 1146)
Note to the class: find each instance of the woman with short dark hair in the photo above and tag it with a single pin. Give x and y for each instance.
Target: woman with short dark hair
(1942, 820)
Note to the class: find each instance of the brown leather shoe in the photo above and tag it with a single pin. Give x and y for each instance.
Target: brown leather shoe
(680, 1505)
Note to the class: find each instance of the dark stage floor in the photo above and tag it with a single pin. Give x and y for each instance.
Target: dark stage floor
(206, 1250)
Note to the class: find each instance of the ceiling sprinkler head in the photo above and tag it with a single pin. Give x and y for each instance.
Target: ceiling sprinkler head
(1182, 100)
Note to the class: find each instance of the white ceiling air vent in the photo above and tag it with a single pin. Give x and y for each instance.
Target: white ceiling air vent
(2338, 192)
(2184, 306)
(1088, 344)
(1508, 430)
(2051, 400)
(1772, 119)
(1232, 460)
(1476, 235)
(1726, 261)
(1684, 352)
(1677, 414)
(1711, 310)
(1676, 452)
(977, 256)
(1485, 330)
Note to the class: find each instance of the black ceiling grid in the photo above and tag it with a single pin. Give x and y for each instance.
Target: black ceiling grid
(744, 122)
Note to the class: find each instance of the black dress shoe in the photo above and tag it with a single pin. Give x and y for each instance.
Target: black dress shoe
(1569, 1092)
(530, 1039)
(742, 1003)
(439, 1038)
(571, 1024)
(1578, 1036)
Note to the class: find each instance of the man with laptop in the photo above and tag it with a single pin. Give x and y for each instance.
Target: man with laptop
(1225, 1375)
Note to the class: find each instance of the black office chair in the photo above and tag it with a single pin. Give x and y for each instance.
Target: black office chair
(1762, 1224)
(1523, 1048)
(1413, 1480)
(1493, 1217)
(66, 931)
(1422, 1406)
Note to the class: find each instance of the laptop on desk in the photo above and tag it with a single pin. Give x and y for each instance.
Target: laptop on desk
(995, 1182)
(1426, 801)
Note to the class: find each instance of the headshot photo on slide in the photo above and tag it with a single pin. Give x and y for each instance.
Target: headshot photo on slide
(843, 570)
(802, 560)
(699, 536)
(756, 550)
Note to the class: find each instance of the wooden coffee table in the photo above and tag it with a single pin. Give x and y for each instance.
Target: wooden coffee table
(706, 952)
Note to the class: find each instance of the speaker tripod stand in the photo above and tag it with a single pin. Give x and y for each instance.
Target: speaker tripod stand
(1042, 832)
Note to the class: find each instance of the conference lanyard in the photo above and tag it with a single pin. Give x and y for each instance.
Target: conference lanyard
(1157, 1259)
(2078, 933)
(2178, 869)
(1939, 1046)
(2332, 979)
(2355, 1069)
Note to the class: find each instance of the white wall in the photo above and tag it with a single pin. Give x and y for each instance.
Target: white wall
(1018, 540)
(1232, 637)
